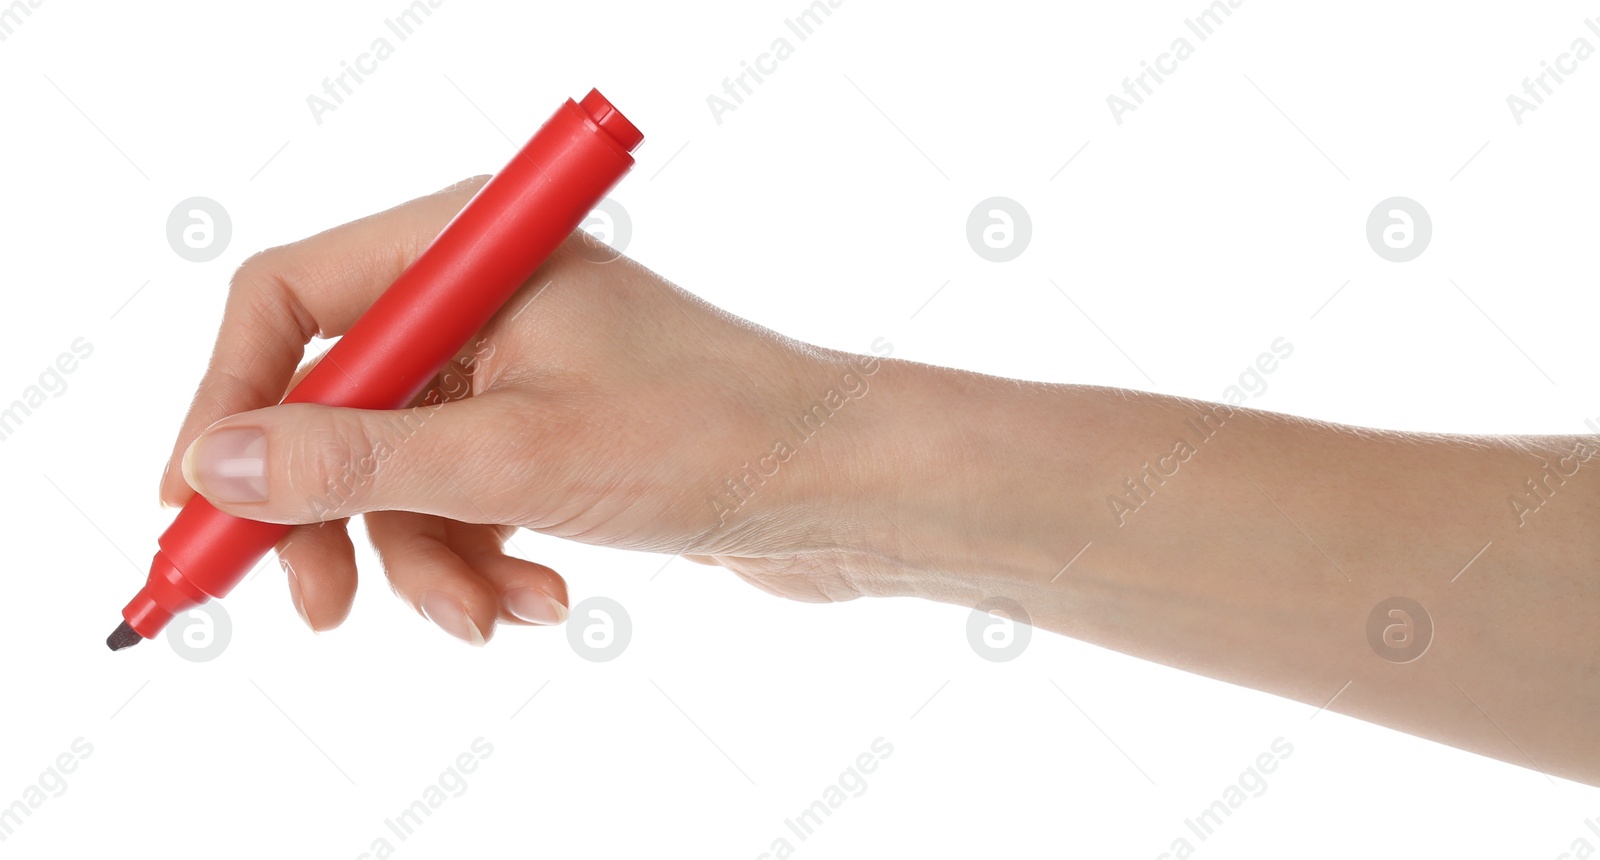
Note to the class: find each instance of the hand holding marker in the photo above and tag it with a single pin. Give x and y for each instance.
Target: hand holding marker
(950, 486)
(449, 292)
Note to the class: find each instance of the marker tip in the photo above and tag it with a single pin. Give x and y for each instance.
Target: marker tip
(123, 637)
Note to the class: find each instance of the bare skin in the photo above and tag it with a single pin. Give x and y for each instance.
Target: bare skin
(608, 406)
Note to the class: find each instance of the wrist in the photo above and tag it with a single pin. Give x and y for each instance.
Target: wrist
(941, 486)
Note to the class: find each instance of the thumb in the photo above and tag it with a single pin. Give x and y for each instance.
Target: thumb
(306, 463)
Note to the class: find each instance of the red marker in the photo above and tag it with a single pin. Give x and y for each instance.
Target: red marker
(385, 360)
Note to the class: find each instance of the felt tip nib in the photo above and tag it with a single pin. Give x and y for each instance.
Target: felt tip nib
(123, 637)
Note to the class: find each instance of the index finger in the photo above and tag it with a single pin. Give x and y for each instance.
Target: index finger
(280, 298)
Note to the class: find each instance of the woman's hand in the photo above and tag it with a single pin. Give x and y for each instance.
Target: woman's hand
(602, 404)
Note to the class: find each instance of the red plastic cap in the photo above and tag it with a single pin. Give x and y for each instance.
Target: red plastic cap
(609, 118)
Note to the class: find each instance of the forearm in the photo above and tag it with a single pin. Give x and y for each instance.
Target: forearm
(1253, 547)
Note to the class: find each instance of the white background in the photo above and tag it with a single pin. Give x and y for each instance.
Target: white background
(1225, 212)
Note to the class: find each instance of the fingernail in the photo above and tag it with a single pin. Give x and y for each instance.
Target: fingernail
(294, 595)
(165, 470)
(229, 465)
(534, 606)
(451, 616)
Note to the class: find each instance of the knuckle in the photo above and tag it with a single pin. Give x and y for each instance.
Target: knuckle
(331, 467)
(254, 270)
(267, 287)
